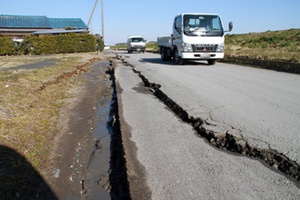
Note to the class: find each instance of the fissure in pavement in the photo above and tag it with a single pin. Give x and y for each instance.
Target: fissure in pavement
(115, 180)
(79, 69)
(225, 140)
(118, 176)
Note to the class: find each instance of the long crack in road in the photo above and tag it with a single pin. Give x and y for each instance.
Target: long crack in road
(222, 136)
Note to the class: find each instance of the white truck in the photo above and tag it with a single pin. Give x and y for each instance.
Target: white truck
(196, 36)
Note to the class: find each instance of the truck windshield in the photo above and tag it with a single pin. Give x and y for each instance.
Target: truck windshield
(137, 40)
(202, 25)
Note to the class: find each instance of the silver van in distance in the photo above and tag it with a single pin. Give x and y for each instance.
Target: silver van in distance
(136, 43)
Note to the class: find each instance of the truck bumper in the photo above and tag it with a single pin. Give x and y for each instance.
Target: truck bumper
(137, 49)
(202, 56)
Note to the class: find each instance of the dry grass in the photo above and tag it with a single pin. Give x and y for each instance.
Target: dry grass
(11, 61)
(28, 117)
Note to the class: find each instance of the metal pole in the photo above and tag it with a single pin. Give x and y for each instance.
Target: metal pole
(92, 14)
(102, 20)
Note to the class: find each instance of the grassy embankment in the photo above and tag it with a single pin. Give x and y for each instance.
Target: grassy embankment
(279, 50)
(271, 45)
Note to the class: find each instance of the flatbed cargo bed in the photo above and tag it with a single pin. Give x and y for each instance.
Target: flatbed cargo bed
(164, 41)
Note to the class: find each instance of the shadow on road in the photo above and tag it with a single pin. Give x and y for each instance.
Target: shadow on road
(156, 61)
(159, 61)
(19, 179)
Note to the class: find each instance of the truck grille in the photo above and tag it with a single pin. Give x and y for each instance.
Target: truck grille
(138, 46)
(204, 47)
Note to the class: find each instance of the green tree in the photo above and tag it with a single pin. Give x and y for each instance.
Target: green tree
(68, 28)
(6, 46)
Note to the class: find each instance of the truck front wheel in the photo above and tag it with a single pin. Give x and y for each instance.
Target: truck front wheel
(163, 54)
(177, 58)
(211, 62)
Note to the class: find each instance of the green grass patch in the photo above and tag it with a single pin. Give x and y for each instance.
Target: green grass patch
(271, 45)
(151, 46)
(118, 47)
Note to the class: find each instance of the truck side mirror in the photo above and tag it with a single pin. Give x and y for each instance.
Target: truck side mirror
(230, 26)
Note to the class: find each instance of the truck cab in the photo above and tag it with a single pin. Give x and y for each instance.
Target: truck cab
(196, 36)
(136, 43)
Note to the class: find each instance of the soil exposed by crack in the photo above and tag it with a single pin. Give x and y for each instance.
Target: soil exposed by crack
(72, 147)
(88, 160)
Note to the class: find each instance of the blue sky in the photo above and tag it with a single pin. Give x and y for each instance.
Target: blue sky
(152, 18)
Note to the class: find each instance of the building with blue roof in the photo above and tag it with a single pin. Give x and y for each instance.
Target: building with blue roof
(18, 26)
(62, 23)
(18, 21)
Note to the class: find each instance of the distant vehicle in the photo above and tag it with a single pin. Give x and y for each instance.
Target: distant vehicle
(196, 36)
(106, 47)
(136, 43)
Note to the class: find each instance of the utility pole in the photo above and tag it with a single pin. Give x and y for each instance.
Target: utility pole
(92, 14)
(102, 20)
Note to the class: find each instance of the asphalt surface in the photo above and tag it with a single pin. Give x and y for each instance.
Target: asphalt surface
(176, 162)
(263, 105)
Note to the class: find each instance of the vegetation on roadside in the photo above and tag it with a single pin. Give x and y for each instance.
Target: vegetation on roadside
(100, 44)
(118, 47)
(33, 113)
(65, 43)
(8, 61)
(151, 46)
(29, 116)
(271, 45)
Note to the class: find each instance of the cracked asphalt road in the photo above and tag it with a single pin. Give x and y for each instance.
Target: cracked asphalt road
(260, 105)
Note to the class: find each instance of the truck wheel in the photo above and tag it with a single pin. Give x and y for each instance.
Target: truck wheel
(163, 54)
(177, 58)
(169, 58)
(211, 62)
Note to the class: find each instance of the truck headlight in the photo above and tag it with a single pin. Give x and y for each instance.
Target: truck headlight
(187, 47)
(220, 47)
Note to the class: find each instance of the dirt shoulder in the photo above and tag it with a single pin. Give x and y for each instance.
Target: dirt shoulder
(65, 167)
(46, 131)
